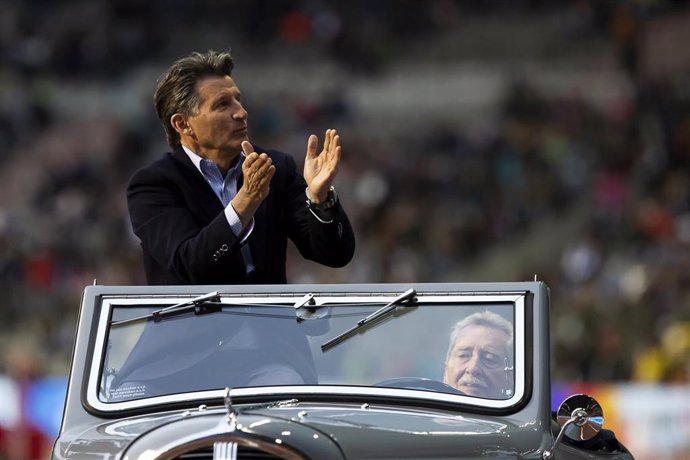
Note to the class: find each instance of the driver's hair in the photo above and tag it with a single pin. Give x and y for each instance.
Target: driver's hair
(484, 318)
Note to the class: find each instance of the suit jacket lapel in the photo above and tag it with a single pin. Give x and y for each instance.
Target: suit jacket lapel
(258, 236)
(211, 206)
(208, 202)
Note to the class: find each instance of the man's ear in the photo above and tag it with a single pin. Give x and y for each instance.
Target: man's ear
(180, 124)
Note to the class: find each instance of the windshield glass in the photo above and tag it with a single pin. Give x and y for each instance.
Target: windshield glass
(446, 345)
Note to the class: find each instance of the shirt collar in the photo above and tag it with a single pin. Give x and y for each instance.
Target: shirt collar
(197, 160)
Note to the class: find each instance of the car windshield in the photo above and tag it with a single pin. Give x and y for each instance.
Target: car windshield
(468, 348)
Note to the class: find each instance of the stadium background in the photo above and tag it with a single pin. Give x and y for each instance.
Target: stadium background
(483, 140)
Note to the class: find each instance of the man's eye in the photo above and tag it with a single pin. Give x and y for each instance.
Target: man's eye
(491, 359)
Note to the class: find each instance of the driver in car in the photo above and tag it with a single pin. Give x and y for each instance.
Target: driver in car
(478, 358)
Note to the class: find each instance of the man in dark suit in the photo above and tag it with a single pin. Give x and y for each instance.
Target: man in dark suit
(218, 210)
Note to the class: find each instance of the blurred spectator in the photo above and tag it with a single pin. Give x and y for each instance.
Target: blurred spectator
(19, 438)
(668, 361)
(432, 195)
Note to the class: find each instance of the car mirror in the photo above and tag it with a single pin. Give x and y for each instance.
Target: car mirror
(580, 418)
(584, 414)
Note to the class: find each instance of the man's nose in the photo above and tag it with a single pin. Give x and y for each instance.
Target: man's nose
(240, 112)
(473, 365)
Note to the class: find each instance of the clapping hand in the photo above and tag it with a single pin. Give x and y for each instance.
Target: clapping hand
(257, 170)
(320, 169)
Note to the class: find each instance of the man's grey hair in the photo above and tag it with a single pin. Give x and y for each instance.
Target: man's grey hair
(484, 318)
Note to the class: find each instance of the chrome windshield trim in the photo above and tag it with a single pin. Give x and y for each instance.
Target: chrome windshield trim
(279, 392)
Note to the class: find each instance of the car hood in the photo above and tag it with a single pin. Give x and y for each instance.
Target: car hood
(321, 431)
(380, 432)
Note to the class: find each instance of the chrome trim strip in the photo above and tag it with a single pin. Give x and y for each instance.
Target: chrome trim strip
(224, 450)
(518, 298)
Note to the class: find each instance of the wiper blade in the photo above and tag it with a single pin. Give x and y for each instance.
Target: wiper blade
(157, 315)
(305, 308)
(381, 313)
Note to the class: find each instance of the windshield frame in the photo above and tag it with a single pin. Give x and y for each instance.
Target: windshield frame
(522, 366)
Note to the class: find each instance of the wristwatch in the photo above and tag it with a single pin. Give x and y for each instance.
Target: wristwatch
(324, 206)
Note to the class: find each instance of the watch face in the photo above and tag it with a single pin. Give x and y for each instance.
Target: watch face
(330, 202)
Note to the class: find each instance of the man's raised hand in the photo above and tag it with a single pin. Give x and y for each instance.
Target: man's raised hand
(257, 171)
(320, 169)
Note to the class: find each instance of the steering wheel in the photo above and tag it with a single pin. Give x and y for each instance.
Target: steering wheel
(418, 383)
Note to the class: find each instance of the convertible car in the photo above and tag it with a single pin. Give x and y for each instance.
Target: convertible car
(419, 371)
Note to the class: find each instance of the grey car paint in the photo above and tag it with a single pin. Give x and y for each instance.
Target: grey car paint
(356, 426)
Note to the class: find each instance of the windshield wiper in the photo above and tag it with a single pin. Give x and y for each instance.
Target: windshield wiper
(381, 313)
(307, 309)
(211, 298)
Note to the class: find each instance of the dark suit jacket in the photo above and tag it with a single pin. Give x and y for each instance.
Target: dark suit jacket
(186, 238)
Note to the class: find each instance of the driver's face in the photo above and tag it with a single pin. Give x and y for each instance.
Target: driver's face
(476, 364)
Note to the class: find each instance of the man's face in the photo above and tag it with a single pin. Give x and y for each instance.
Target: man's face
(220, 123)
(476, 364)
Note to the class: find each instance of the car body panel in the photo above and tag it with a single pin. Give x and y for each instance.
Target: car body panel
(364, 431)
(328, 420)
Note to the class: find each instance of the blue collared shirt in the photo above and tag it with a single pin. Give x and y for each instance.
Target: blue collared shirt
(225, 189)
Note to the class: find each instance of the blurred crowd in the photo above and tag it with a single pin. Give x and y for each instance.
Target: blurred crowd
(428, 200)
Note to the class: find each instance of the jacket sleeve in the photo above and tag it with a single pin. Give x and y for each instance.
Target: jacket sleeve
(171, 233)
(331, 244)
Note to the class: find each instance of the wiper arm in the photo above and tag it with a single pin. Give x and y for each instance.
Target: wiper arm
(157, 315)
(306, 309)
(381, 313)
